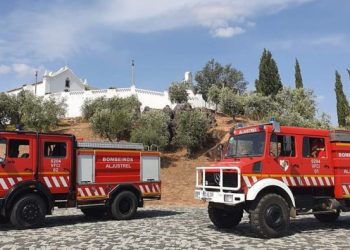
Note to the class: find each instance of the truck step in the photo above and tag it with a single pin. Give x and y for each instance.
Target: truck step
(91, 205)
(318, 212)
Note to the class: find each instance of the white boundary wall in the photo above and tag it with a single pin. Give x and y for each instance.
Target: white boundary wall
(152, 99)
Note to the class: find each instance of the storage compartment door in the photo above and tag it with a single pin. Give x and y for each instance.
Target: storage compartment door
(150, 168)
(86, 169)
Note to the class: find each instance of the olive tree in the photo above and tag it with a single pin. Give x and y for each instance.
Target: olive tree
(231, 103)
(223, 76)
(152, 129)
(257, 106)
(297, 107)
(112, 124)
(31, 111)
(178, 92)
(8, 109)
(112, 118)
(191, 130)
(214, 94)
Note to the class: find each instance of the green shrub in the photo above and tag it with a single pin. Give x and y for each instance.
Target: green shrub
(257, 107)
(231, 103)
(152, 129)
(112, 124)
(178, 92)
(33, 112)
(191, 130)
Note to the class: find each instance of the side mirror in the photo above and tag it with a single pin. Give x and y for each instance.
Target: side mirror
(219, 150)
(276, 126)
(2, 162)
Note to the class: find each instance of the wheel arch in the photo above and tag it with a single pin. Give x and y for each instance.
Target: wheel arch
(126, 187)
(270, 185)
(24, 188)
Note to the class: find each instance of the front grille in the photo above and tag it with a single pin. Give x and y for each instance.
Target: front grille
(213, 179)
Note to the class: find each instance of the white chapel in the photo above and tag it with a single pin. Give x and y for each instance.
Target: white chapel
(64, 84)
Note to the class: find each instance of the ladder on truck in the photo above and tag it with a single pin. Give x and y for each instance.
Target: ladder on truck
(110, 145)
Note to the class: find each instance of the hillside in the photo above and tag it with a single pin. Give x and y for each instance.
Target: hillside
(177, 172)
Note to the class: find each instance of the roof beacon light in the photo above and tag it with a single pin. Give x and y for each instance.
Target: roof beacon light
(239, 125)
(19, 127)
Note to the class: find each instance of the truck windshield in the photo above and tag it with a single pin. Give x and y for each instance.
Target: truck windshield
(252, 144)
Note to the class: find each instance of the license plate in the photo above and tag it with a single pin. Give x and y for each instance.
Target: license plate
(208, 194)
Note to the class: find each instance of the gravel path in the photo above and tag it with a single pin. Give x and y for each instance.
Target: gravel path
(168, 228)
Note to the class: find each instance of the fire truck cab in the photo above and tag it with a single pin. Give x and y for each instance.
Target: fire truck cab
(276, 172)
(41, 171)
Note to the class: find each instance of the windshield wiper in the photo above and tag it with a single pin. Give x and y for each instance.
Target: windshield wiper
(250, 155)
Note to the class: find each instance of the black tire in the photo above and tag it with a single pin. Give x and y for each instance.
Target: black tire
(328, 217)
(225, 218)
(4, 220)
(28, 212)
(124, 206)
(94, 212)
(269, 218)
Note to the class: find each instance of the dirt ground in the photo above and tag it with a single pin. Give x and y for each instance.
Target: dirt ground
(177, 171)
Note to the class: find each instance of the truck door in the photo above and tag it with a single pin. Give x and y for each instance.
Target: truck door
(316, 161)
(56, 163)
(16, 161)
(283, 154)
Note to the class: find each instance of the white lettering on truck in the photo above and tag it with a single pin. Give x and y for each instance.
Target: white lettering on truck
(125, 159)
(118, 166)
(344, 155)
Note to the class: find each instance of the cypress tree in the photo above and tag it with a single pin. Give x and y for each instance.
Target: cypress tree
(342, 102)
(298, 79)
(269, 82)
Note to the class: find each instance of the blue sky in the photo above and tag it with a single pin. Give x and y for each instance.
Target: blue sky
(98, 40)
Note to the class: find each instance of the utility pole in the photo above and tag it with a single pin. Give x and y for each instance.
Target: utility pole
(132, 73)
(36, 80)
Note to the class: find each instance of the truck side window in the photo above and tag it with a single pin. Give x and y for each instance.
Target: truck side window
(2, 148)
(314, 147)
(55, 149)
(18, 149)
(282, 145)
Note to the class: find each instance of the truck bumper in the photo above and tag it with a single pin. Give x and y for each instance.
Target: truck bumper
(220, 197)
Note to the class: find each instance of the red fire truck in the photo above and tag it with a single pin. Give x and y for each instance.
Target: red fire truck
(41, 171)
(276, 172)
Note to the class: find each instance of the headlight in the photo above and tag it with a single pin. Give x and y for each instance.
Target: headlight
(197, 194)
(228, 198)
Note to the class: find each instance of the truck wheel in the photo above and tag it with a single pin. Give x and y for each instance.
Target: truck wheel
(95, 212)
(4, 220)
(223, 218)
(124, 206)
(269, 218)
(28, 212)
(328, 217)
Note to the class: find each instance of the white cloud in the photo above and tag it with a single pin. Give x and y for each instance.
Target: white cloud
(320, 97)
(62, 28)
(228, 31)
(4, 69)
(21, 70)
(328, 40)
